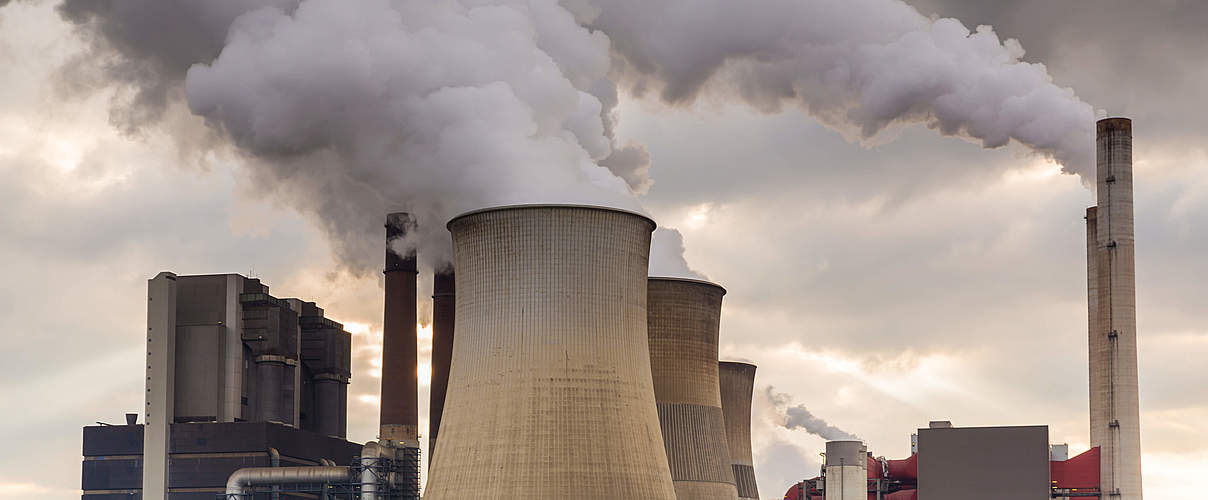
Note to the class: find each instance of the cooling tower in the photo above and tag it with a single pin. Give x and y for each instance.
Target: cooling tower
(737, 381)
(1115, 419)
(846, 470)
(550, 395)
(682, 318)
(443, 310)
(400, 393)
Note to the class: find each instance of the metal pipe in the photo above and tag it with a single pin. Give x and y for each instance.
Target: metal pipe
(371, 457)
(241, 481)
(274, 459)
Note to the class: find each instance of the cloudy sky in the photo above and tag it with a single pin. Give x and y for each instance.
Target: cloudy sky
(881, 272)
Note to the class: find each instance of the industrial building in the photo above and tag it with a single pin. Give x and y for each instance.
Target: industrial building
(235, 378)
(684, 317)
(956, 463)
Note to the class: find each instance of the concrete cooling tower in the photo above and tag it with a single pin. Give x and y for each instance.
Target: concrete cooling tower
(683, 319)
(550, 394)
(737, 382)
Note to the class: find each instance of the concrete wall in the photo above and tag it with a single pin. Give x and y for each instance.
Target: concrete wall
(550, 394)
(683, 317)
(987, 463)
(737, 382)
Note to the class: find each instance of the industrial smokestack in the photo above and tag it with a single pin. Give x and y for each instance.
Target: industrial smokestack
(399, 413)
(683, 320)
(444, 307)
(737, 381)
(1115, 412)
(550, 396)
(846, 470)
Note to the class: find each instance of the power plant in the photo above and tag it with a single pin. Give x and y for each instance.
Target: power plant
(560, 370)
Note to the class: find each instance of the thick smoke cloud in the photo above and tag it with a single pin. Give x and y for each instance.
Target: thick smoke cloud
(799, 417)
(347, 110)
(857, 65)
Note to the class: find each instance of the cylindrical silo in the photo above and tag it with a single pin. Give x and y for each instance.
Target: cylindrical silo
(550, 395)
(737, 382)
(683, 319)
(846, 470)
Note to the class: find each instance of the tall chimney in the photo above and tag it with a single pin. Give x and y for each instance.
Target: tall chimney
(737, 381)
(1115, 414)
(444, 309)
(400, 416)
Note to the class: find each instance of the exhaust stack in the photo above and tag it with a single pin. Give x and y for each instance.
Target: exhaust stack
(737, 382)
(399, 421)
(1111, 279)
(444, 309)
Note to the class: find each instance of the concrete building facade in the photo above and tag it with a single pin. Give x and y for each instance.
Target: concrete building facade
(550, 393)
(737, 383)
(1114, 397)
(683, 322)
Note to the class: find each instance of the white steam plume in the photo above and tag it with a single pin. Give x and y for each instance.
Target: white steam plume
(857, 65)
(799, 417)
(349, 110)
(361, 108)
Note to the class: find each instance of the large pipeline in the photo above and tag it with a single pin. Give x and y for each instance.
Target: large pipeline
(240, 483)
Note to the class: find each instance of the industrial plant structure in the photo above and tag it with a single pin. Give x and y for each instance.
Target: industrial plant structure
(550, 381)
(737, 382)
(956, 463)
(550, 393)
(683, 321)
(235, 378)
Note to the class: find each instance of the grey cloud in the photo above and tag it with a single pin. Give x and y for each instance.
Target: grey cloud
(796, 416)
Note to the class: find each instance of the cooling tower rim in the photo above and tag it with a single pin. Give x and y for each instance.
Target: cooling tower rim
(687, 280)
(737, 363)
(449, 225)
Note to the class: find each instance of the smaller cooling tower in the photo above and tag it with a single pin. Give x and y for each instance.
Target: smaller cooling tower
(550, 395)
(846, 470)
(682, 318)
(737, 381)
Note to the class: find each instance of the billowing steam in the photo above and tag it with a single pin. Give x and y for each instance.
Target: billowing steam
(349, 110)
(857, 65)
(798, 417)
